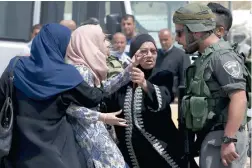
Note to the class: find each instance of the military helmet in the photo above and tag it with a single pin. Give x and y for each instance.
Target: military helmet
(197, 17)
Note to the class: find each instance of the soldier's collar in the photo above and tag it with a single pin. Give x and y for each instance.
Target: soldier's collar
(207, 50)
(220, 45)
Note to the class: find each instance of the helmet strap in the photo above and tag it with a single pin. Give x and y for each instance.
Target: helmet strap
(188, 45)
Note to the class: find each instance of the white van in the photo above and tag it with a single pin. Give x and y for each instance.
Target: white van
(18, 17)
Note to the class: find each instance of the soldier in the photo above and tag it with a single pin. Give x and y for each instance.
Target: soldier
(215, 103)
(224, 21)
(114, 65)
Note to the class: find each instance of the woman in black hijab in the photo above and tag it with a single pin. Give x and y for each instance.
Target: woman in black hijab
(151, 138)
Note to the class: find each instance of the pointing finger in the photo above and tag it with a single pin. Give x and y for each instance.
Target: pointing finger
(122, 124)
(224, 162)
(118, 112)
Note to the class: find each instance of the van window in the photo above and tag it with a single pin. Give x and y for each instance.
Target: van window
(153, 16)
(79, 11)
(16, 20)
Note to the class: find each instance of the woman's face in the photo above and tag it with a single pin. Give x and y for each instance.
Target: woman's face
(148, 55)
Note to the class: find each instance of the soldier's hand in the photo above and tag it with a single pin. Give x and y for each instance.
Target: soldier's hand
(228, 153)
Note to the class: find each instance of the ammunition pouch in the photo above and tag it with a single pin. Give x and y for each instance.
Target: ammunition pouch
(197, 111)
(114, 65)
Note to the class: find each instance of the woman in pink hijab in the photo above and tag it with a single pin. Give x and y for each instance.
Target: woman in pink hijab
(87, 51)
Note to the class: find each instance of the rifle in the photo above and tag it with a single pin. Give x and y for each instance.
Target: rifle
(187, 135)
(182, 127)
(249, 126)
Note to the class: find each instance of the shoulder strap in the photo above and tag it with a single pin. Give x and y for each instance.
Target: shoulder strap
(218, 48)
(203, 62)
(11, 78)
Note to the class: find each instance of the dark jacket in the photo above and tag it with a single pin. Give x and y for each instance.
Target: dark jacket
(42, 136)
(176, 61)
(149, 122)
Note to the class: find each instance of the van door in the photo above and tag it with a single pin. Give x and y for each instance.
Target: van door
(16, 19)
(80, 11)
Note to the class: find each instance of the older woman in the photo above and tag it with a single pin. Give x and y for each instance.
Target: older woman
(151, 138)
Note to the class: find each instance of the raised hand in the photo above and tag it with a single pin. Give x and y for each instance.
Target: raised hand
(137, 76)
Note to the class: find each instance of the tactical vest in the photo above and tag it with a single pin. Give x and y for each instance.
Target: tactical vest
(114, 65)
(199, 107)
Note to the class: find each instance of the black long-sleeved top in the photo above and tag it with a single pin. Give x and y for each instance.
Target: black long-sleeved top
(149, 138)
(176, 61)
(42, 137)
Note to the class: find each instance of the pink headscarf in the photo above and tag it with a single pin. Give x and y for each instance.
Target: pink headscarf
(87, 47)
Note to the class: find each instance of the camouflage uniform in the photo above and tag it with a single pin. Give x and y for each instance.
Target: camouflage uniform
(114, 65)
(216, 73)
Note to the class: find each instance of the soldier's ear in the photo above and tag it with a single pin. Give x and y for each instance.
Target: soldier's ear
(220, 31)
(197, 34)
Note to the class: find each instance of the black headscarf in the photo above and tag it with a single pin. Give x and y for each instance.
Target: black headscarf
(136, 44)
(138, 41)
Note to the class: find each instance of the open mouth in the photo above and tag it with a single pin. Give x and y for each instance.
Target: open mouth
(149, 61)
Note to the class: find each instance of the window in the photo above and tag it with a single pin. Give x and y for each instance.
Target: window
(16, 20)
(68, 10)
(55, 11)
(111, 7)
(241, 5)
(52, 11)
(154, 16)
(79, 11)
(223, 3)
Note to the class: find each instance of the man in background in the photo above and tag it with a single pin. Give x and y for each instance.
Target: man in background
(128, 27)
(35, 30)
(26, 50)
(224, 20)
(119, 44)
(69, 23)
(171, 58)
